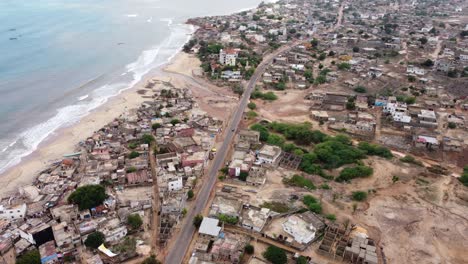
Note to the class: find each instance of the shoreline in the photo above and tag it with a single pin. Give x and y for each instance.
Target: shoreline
(64, 140)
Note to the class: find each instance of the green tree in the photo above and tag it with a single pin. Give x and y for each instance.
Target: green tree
(359, 196)
(134, 221)
(344, 66)
(252, 106)
(464, 177)
(94, 240)
(331, 217)
(175, 121)
(190, 194)
(249, 249)
(348, 174)
(133, 154)
(197, 220)
(452, 125)
(151, 260)
(88, 196)
(264, 134)
(156, 126)
(301, 260)
(275, 255)
(147, 139)
(243, 175)
(30, 257)
(360, 89)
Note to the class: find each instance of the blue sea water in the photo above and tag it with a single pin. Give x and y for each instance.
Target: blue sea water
(61, 59)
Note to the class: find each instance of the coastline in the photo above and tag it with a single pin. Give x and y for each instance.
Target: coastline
(65, 139)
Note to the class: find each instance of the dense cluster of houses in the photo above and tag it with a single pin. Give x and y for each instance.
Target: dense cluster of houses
(169, 127)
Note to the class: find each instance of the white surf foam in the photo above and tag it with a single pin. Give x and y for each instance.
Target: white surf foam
(81, 98)
(28, 141)
(132, 15)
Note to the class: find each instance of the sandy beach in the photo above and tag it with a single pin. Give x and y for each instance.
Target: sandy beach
(179, 71)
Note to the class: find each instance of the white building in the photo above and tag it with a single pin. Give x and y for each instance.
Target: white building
(299, 229)
(16, 212)
(228, 57)
(269, 154)
(175, 184)
(411, 69)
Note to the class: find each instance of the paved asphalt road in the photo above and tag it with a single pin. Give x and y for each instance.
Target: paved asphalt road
(177, 253)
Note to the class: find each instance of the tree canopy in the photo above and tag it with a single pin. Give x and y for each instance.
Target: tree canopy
(134, 221)
(30, 257)
(94, 240)
(88, 196)
(275, 255)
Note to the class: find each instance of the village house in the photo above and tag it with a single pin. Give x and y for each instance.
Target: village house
(269, 155)
(228, 57)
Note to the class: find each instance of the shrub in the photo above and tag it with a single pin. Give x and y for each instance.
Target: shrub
(243, 175)
(264, 134)
(132, 145)
(252, 106)
(451, 125)
(464, 177)
(375, 150)
(359, 196)
(344, 66)
(325, 186)
(275, 255)
(30, 257)
(134, 221)
(156, 126)
(190, 194)
(360, 89)
(131, 169)
(228, 219)
(331, 217)
(175, 121)
(249, 249)
(312, 203)
(94, 240)
(147, 139)
(300, 181)
(276, 140)
(197, 220)
(133, 154)
(251, 114)
(411, 159)
(348, 174)
(88, 196)
(151, 260)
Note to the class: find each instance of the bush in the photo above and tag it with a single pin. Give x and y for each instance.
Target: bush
(30, 257)
(147, 139)
(88, 196)
(411, 159)
(131, 169)
(464, 177)
(94, 240)
(312, 204)
(275, 255)
(375, 150)
(300, 181)
(134, 221)
(359, 196)
(249, 249)
(251, 114)
(228, 219)
(276, 207)
(344, 66)
(331, 217)
(243, 175)
(190, 194)
(451, 125)
(133, 155)
(276, 140)
(264, 134)
(337, 151)
(151, 260)
(175, 121)
(360, 89)
(252, 106)
(156, 126)
(348, 174)
(197, 220)
(325, 186)
(268, 96)
(132, 145)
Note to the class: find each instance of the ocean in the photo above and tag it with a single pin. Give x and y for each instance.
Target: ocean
(61, 59)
